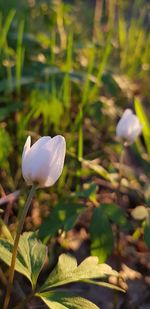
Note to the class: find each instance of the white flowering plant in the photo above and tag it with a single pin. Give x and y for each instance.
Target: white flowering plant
(42, 165)
(65, 73)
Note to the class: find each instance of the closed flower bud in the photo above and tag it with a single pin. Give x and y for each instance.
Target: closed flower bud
(42, 163)
(128, 127)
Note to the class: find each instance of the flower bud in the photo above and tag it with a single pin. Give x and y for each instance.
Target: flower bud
(42, 163)
(128, 127)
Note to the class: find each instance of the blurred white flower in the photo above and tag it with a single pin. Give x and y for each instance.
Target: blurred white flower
(128, 127)
(42, 163)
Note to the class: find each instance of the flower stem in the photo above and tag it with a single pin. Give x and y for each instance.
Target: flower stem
(15, 248)
(120, 175)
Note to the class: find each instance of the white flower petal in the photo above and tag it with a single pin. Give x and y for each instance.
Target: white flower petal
(127, 113)
(128, 127)
(26, 146)
(58, 148)
(43, 162)
(24, 156)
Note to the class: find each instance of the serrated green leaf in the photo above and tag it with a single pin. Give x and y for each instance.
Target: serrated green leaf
(61, 300)
(30, 258)
(5, 231)
(101, 235)
(105, 284)
(64, 216)
(38, 253)
(34, 253)
(5, 255)
(23, 248)
(67, 271)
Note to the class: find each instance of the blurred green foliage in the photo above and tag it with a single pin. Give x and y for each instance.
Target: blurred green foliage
(70, 67)
(6, 147)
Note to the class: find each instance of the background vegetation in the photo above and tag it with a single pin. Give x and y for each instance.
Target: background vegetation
(71, 68)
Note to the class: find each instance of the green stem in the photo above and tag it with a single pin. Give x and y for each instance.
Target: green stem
(15, 248)
(80, 136)
(120, 174)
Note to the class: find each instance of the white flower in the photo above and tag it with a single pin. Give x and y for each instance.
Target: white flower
(128, 127)
(42, 163)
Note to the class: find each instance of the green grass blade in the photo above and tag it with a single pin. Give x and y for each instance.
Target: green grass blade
(19, 56)
(6, 26)
(144, 121)
(66, 83)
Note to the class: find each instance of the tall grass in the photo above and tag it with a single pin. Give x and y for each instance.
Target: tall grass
(4, 50)
(19, 56)
(68, 67)
(54, 99)
(4, 28)
(84, 102)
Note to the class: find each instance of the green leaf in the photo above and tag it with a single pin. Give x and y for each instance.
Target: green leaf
(5, 231)
(6, 26)
(87, 193)
(147, 234)
(139, 213)
(34, 253)
(100, 170)
(5, 255)
(64, 215)
(25, 80)
(105, 284)
(67, 271)
(45, 104)
(111, 84)
(101, 235)
(147, 193)
(5, 146)
(30, 258)
(115, 214)
(61, 300)
(94, 111)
